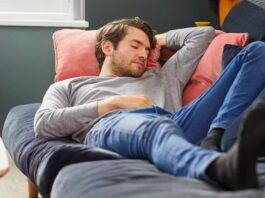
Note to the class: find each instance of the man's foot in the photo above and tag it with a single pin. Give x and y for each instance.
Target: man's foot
(236, 169)
(213, 140)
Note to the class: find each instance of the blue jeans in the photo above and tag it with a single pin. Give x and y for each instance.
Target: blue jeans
(169, 140)
(231, 132)
(237, 87)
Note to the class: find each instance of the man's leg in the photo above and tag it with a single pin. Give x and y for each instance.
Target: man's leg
(241, 94)
(160, 140)
(150, 136)
(248, 147)
(231, 132)
(228, 97)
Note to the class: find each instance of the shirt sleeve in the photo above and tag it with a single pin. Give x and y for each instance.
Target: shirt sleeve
(57, 118)
(189, 44)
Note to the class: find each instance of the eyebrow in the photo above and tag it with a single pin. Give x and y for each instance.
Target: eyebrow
(141, 43)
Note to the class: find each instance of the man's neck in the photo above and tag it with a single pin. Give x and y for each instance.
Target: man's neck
(106, 71)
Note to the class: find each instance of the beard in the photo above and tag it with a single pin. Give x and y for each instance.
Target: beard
(120, 66)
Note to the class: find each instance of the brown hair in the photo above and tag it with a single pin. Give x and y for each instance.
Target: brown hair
(115, 32)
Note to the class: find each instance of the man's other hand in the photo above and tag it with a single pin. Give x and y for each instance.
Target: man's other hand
(123, 102)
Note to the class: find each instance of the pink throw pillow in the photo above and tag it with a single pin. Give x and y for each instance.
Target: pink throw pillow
(75, 54)
(209, 66)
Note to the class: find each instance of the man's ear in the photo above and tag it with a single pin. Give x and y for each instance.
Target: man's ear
(107, 47)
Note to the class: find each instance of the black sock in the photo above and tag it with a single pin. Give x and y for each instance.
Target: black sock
(213, 140)
(237, 169)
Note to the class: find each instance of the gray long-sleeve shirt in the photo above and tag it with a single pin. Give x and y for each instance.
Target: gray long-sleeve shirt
(69, 107)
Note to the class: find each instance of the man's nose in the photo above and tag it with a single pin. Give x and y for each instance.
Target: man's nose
(144, 53)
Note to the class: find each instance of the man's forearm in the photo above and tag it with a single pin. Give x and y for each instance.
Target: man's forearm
(62, 122)
(57, 118)
(123, 102)
(107, 105)
(192, 38)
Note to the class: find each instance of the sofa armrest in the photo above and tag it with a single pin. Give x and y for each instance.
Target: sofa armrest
(41, 159)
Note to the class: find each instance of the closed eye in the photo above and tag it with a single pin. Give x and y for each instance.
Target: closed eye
(134, 46)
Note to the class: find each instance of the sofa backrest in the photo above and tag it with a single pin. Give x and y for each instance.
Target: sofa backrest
(247, 16)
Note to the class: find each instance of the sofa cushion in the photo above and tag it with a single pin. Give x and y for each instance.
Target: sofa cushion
(133, 179)
(247, 16)
(229, 52)
(75, 53)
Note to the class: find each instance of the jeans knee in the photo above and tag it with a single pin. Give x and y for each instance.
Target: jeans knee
(161, 129)
(256, 47)
(254, 55)
(157, 127)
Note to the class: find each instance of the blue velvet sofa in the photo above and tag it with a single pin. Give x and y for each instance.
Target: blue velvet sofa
(61, 168)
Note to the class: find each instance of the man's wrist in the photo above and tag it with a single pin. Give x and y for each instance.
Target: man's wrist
(107, 105)
(161, 39)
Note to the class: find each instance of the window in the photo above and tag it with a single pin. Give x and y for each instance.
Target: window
(53, 13)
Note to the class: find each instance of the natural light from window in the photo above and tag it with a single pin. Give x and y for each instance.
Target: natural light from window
(60, 13)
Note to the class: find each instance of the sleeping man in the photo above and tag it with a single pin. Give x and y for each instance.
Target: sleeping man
(138, 113)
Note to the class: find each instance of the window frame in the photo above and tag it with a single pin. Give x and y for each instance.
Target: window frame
(74, 17)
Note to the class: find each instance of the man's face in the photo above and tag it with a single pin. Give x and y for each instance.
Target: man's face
(130, 57)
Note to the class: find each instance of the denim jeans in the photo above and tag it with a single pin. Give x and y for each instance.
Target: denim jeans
(237, 87)
(231, 132)
(169, 140)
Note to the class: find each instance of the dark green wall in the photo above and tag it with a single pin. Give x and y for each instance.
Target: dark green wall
(162, 14)
(27, 56)
(26, 65)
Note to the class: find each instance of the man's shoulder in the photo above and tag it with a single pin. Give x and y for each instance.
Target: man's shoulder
(65, 84)
(74, 79)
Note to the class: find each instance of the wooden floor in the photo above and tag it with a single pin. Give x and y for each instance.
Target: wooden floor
(13, 184)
